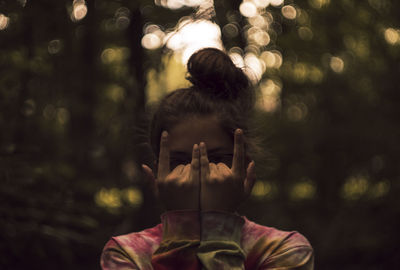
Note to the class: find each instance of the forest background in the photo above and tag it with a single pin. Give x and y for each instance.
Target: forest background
(77, 80)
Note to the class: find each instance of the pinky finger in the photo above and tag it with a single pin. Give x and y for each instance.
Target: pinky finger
(150, 177)
(250, 178)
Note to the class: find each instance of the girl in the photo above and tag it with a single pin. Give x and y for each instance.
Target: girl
(204, 172)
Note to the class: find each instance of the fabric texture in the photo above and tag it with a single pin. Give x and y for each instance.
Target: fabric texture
(208, 240)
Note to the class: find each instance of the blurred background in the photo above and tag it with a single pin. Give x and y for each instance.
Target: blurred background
(77, 79)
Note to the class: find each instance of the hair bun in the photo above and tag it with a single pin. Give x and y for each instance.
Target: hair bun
(212, 71)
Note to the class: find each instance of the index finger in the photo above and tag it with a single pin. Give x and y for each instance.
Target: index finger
(163, 159)
(238, 166)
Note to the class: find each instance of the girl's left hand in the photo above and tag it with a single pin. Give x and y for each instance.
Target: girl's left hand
(224, 188)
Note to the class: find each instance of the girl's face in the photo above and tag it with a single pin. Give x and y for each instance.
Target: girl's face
(198, 129)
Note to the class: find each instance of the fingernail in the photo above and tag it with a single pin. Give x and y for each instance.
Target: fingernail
(202, 145)
(164, 134)
(239, 131)
(195, 147)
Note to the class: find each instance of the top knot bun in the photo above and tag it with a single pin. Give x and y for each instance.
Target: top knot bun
(212, 71)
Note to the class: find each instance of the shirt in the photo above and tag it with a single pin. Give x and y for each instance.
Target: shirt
(208, 240)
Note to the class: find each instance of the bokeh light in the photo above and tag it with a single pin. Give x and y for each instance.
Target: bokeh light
(151, 41)
(4, 21)
(230, 30)
(276, 3)
(337, 64)
(62, 116)
(191, 36)
(177, 4)
(355, 187)
(237, 59)
(315, 74)
(122, 16)
(392, 36)
(114, 55)
(153, 37)
(297, 112)
(248, 9)
(259, 36)
(305, 33)
(272, 59)
(79, 10)
(29, 107)
(318, 3)
(114, 198)
(300, 72)
(380, 189)
(115, 92)
(262, 189)
(253, 67)
(303, 190)
(259, 21)
(270, 95)
(261, 3)
(289, 12)
(54, 46)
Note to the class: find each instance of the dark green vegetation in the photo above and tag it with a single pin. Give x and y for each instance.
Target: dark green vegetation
(71, 115)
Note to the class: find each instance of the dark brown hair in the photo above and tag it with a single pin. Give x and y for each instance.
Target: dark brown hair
(219, 88)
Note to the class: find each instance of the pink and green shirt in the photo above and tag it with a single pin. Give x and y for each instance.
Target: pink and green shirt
(208, 240)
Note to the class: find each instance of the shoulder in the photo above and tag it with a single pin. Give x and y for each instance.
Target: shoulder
(140, 240)
(268, 245)
(133, 248)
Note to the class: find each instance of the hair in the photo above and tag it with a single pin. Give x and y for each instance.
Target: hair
(219, 88)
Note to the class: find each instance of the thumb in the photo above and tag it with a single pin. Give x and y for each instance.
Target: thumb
(250, 178)
(148, 172)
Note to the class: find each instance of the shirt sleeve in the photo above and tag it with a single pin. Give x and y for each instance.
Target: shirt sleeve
(180, 240)
(220, 241)
(115, 257)
(175, 249)
(294, 253)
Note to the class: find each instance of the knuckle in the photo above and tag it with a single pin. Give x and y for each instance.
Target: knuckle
(204, 159)
(194, 165)
(170, 179)
(215, 178)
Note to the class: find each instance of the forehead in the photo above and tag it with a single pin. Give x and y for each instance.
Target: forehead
(198, 129)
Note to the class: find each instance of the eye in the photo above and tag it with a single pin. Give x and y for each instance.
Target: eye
(223, 158)
(175, 161)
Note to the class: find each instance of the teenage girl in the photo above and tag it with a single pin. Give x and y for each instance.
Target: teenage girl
(204, 171)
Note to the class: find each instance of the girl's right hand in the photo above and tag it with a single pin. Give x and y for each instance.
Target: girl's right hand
(178, 189)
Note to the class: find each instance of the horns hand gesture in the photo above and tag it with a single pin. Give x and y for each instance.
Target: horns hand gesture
(203, 185)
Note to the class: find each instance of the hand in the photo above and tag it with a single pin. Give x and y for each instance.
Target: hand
(179, 189)
(224, 188)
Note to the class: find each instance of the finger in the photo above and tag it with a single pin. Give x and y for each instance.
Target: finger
(224, 170)
(184, 177)
(178, 170)
(195, 164)
(215, 174)
(195, 171)
(150, 177)
(223, 167)
(238, 167)
(204, 163)
(250, 178)
(163, 159)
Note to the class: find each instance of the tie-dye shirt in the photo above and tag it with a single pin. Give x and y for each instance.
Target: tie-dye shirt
(208, 240)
